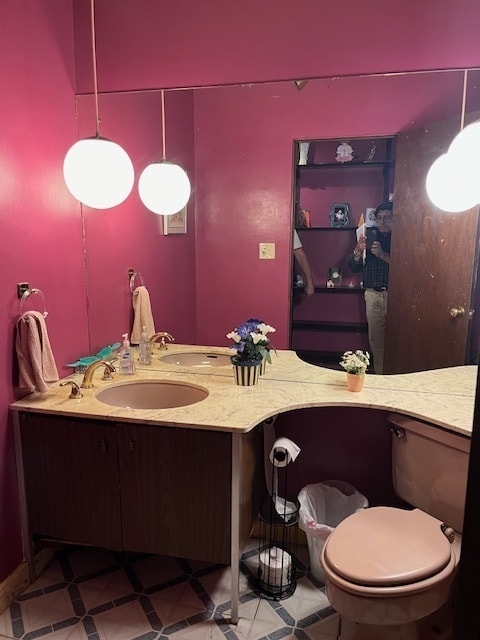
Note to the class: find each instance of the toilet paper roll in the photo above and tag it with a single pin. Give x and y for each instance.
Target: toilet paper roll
(269, 438)
(283, 452)
(275, 567)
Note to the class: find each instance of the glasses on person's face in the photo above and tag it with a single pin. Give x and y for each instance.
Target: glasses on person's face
(384, 218)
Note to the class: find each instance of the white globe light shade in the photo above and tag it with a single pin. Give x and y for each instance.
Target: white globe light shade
(164, 188)
(98, 172)
(465, 145)
(451, 184)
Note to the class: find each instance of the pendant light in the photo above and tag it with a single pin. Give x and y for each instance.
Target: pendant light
(453, 180)
(97, 171)
(163, 186)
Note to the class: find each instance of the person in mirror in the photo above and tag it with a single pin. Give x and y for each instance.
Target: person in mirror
(303, 264)
(372, 257)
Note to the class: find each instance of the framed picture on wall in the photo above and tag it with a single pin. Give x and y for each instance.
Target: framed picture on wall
(339, 214)
(334, 277)
(176, 223)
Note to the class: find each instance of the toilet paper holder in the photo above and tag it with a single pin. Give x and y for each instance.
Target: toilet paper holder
(278, 543)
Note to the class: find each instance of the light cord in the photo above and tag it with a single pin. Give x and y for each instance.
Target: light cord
(94, 62)
(464, 98)
(163, 125)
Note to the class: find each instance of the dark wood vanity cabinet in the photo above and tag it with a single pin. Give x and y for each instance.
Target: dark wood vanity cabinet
(70, 471)
(135, 487)
(175, 489)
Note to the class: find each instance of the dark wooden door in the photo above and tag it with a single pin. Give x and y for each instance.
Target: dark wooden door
(433, 263)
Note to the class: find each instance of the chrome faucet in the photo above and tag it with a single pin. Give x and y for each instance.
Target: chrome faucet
(162, 334)
(88, 376)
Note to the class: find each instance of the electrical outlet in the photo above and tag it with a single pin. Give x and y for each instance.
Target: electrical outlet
(266, 250)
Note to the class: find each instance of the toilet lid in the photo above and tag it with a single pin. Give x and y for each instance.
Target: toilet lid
(384, 546)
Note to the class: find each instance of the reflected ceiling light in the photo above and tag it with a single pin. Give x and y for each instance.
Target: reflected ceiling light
(97, 171)
(453, 180)
(163, 186)
(466, 142)
(452, 185)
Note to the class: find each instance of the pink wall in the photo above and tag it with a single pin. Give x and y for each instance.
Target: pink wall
(321, 434)
(41, 226)
(149, 43)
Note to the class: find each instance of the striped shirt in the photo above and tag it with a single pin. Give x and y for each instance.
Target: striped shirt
(375, 270)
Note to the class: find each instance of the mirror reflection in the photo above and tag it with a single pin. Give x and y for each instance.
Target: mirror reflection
(335, 236)
(237, 144)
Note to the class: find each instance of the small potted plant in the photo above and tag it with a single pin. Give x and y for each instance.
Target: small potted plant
(253, 349)
(355, 364)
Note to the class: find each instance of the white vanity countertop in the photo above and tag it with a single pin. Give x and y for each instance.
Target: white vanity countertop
(444, 397)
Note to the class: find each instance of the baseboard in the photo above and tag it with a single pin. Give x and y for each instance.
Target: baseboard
(43, 558)
(16, 583)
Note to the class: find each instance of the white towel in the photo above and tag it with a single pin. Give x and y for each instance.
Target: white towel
(142, 315)
(36, 363)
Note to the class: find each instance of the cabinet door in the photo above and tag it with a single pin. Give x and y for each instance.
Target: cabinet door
(175, 487)
(71, 480)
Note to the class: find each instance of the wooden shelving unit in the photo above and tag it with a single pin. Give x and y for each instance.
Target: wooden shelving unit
(333, 320)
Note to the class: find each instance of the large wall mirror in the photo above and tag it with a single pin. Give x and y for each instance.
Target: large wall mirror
(237, 142)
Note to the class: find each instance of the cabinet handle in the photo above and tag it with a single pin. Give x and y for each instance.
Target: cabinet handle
(131, 444)
(104, 445)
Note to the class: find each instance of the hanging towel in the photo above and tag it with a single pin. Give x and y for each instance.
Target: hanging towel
(36, 363)
(142, 315)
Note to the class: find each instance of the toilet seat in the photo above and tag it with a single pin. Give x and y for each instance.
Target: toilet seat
(385, 547)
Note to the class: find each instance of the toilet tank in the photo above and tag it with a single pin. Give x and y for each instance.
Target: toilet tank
(430, 467)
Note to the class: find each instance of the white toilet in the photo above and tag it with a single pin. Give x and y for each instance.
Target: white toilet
(388, 568)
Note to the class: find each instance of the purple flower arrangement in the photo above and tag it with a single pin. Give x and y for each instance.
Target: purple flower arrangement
(250, 341)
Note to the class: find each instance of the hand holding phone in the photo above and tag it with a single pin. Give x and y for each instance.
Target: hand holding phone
(372, 236)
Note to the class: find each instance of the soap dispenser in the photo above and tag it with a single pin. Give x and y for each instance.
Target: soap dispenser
(127, 365)
(144, 349)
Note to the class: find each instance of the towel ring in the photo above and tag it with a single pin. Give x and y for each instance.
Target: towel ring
(33, 292)
(133, 275)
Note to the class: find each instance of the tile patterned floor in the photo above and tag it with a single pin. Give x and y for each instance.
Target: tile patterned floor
(94, 594)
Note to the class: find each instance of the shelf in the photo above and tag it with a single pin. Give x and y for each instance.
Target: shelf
(321, 325)
(326, 228)
(343, 165)
(330, 325)
(332, 289)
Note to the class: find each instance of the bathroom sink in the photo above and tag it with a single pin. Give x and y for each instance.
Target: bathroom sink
(153, 394)
(197, 359)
